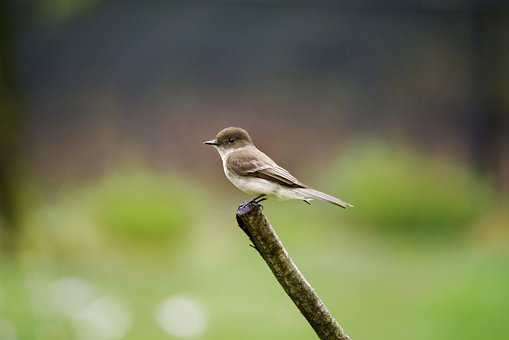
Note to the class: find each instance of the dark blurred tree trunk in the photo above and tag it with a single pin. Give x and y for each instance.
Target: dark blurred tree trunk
(9, 130)
(15, 15)
(489, 115)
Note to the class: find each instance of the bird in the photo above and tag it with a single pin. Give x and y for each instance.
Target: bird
(255, 173)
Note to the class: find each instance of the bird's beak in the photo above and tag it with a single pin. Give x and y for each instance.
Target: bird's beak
(211, 142)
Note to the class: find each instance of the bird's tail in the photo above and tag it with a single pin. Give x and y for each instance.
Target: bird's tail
(309, 193)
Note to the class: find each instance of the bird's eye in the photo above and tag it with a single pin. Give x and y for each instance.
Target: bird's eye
(231, 140)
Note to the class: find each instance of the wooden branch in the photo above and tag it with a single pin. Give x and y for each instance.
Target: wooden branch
(269, 246)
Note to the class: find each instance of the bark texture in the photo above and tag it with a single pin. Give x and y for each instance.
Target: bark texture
(267, 243)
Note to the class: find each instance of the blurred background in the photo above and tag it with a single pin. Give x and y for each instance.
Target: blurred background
(117, 223)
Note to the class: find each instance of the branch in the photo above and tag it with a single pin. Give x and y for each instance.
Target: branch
(267, 243)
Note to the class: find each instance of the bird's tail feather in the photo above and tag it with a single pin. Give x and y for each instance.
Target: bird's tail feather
(315, 194)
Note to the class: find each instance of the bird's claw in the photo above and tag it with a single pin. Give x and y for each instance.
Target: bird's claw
(255, 202)
(258, 199)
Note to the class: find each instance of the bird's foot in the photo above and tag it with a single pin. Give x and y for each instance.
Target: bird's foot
(259, 199)
(255, 202)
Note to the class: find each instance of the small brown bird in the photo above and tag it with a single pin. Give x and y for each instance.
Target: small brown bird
(255, 173)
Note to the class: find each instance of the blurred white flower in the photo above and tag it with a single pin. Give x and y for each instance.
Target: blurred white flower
(36, 287)
(7, 330)
(70, 295)
(104, 318)
(181, 316)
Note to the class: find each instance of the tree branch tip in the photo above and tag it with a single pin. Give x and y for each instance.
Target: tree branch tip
(246, 209)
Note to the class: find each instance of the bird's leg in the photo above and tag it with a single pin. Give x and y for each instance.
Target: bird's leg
(258, 199)
(255, 201)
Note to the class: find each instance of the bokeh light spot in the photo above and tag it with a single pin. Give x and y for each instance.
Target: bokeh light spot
(182, 316)
(70, 295)
(104, 318)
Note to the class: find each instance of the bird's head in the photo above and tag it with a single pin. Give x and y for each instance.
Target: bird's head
(230, 138)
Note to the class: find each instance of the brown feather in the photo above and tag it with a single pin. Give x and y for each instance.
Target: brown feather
(255, 163)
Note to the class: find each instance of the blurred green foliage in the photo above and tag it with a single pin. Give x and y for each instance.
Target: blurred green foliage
(144, 205)
(445, 291)
(478, 307)
(396, 190)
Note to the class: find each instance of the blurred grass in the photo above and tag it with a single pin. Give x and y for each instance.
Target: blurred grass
(379, 293)
(133, 237)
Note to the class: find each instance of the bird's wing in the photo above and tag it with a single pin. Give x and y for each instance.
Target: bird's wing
(257, 164)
